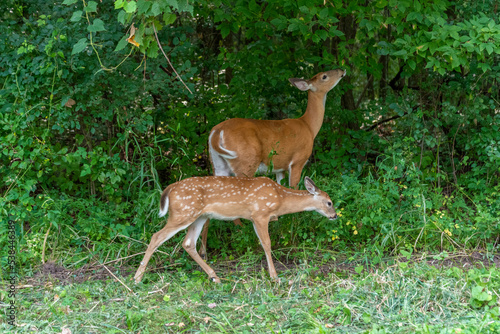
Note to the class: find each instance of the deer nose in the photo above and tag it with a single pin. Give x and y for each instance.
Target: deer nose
(333, 217)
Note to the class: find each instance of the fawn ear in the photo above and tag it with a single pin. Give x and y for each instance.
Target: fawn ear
(310, 186)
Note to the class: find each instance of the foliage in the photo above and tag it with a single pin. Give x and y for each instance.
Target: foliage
(94, 124)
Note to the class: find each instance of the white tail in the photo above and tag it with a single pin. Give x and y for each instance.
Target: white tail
(192, 201)
(241, 147)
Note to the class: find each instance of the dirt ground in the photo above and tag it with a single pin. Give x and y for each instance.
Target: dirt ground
(52, 273)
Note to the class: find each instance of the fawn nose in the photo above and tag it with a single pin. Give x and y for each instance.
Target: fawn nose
(333, 217)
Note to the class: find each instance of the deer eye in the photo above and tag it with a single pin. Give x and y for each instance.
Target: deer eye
(325, 76)
(329, 204)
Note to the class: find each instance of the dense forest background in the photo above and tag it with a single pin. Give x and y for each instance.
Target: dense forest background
(94, 122)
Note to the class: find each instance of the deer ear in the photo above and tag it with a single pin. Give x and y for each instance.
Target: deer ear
(310, 186)
(300, 84)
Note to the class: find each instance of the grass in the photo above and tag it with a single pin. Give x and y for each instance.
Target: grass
(403, 297)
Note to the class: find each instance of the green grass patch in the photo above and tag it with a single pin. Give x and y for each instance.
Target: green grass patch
(396, 297)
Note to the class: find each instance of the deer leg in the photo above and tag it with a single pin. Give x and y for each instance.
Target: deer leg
(280, 176)
(294, 173)
(158, 238)
(204, 234)
(189, 245)
(261, 229)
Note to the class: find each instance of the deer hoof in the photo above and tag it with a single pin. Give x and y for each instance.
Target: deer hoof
(276, 279)
(215, 279)
(138, 277)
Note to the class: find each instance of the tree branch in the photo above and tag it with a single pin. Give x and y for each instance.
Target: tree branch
(158, 41)
(382, 121)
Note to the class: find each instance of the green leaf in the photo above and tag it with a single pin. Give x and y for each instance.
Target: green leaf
(322, 34)
(489, 48)
(169, 18)
(333, 31)
(173, 4)
(293, 27)
(143, 6)
(304, 9)
(69, 2)
(481, 293)
(184, 6)
(400, 53)
(414, 16)
(118, 4)
(275, 22)
(85, 171)
(98, 25)
(155, 9)
(417, 5)
(121, 44)
(323, 14)
(433, 46)
(130, 7)
(76, 16)
(91, 7)
(412, 64)
(121, 16)
(225, 29)
(80, 46)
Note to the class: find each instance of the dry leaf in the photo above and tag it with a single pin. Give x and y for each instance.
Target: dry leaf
(329, 326)
(132, 30)
(132, 41)
(70, 103)
(249, 324)
(66, 330)
(131, 37)
(206, 319)
(66, 310)
(181, 325)
(56, 298)
(212, 305)
(170, 324)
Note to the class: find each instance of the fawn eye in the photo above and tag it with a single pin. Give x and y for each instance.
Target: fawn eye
(325, 76)
(329, 204)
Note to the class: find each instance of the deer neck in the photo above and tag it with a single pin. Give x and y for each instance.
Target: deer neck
(315, 111)
(296, 201)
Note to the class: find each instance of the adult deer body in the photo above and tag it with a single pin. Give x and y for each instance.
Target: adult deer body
(192, 201)
(241, 147)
